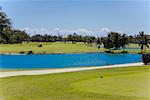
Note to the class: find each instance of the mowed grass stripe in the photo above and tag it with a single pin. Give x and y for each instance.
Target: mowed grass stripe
(130, 83)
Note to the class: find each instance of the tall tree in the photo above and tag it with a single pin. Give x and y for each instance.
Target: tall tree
(37, 38)
(108, 42)
(98, 42)
(116, 40)
(124, 41)
(4, 20)
(143, 41)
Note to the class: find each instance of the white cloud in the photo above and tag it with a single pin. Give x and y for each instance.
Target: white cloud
(83, 31)
(44, 31)
(104, 32)
(35, 31)
(105, 29)
(57, 31)
(119, 32)
(64, 32)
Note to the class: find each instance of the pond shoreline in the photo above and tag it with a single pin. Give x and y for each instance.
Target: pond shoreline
(68, 53)
(48, 53)
(27, 69)
(61, 70)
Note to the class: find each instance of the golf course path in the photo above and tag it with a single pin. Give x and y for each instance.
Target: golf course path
(60, 70)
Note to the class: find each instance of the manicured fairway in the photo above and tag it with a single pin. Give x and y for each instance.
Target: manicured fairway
(130, 83)
(57, 47)
(48, 47)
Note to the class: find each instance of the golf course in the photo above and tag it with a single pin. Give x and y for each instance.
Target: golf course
(74, 50)
(130, 83)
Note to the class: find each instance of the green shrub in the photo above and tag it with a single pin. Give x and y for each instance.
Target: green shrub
(21, 52)
(40, 45)
(146, 58)
(109, 51)
(30, 52)
(139, 52)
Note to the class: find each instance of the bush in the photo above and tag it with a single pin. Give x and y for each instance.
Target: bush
(30, 52)
(139, 52)
(40, 45)
(109, 51)
(146, 58)
(21, 52)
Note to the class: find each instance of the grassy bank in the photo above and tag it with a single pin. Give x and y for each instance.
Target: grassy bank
(56, 47)
(130, 83)
(49, 47)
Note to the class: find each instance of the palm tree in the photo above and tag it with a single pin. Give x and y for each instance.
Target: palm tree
(144, 41)
(4, 21)
(124, 41)
(116, 40)
(108, 42)
(98, 42)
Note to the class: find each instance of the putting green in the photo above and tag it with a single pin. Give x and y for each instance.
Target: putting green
(134, 85)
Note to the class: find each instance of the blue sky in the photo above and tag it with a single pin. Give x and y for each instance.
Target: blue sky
(83, 16)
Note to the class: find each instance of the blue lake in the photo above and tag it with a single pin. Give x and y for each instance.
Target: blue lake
(65, 60)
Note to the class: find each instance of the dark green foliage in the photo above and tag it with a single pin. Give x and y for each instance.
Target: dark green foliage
(115, 40)
(50, 38)
(14, 36)
(108, 43)
(109, 51)
(40, 45)
(131, 39)
(37, 38)
(98, 43)
(30, 52)
(9, 35)
(124, 41)
(139, 52)
(4, 21)
(90, 40)
(22, 52)
(78, 38)
(144, 41)
(3, 38)
(74, 38)
(146, 58)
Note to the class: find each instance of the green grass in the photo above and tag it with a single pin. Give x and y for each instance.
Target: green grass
(130, 83)
(131, 45)
(49, 47)
(56, 47)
